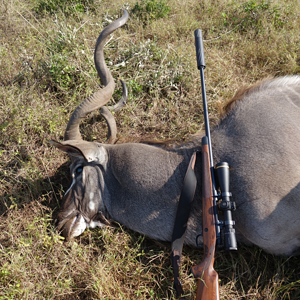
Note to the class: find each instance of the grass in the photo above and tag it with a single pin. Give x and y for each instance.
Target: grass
(46, 61)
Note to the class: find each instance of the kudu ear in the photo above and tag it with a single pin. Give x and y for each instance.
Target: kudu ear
(88, 150)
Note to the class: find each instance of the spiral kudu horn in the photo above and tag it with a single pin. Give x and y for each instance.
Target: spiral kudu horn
(101, 97)
(109, 118)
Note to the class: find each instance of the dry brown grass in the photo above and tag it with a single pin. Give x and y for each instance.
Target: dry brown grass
(47, 69)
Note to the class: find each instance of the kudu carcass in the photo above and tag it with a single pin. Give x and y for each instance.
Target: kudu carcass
(139, 185)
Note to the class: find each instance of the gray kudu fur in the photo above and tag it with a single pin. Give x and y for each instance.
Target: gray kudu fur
(138, 185)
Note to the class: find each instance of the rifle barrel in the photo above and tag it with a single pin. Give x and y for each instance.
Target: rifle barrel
(201, 67)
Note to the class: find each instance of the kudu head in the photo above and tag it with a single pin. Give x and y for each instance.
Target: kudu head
(83, 205)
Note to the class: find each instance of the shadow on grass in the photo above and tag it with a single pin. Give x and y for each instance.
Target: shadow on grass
(17, 190)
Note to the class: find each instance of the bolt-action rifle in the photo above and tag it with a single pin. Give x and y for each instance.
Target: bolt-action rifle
(215, 186)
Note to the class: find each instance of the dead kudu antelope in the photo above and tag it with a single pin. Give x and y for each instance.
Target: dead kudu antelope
(139, 185)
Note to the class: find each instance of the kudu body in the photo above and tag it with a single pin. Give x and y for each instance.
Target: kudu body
(138, 185)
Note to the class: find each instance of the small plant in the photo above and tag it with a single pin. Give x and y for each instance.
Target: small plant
(60, 69)
(254, 15)
(136, 88)
(151, 9)
(68, 7)
(62, 73)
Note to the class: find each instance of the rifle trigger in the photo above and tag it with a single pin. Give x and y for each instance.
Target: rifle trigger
(199, 245)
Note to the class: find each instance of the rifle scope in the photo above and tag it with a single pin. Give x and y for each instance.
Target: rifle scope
(222, 172)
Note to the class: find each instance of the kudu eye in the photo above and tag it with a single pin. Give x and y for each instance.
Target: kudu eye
(79, 170)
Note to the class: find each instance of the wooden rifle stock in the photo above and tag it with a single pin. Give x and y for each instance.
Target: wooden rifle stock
(208, 278)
